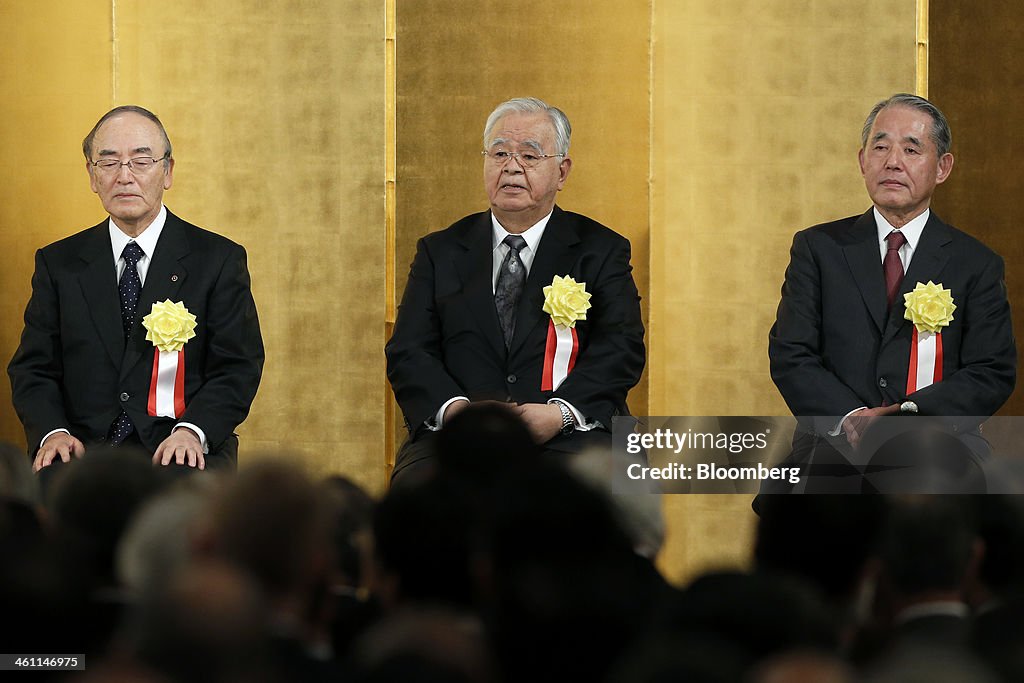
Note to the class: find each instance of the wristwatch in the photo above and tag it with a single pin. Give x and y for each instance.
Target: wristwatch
(908, 407)
(568, 421)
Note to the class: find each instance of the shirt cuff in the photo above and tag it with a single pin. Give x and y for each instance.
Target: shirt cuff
(49, 434)
(582, 425)
(839, 427)
(199, 432)
(437, 423)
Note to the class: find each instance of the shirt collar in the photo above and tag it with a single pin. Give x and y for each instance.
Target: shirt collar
(146, 240)
(912, 230)
(532, 234)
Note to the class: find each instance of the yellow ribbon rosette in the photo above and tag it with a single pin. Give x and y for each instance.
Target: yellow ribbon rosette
(566, 301)
(169, 325)
(929, 307)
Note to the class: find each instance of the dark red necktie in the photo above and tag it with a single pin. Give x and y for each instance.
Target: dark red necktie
(892, 265)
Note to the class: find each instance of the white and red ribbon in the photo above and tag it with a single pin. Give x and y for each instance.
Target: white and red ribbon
(925, 360)
(559, 355)
(167, 386)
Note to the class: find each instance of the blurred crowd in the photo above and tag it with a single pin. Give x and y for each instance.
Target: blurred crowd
(498, 565)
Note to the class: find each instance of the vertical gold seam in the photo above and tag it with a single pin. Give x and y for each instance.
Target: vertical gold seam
(921, 85)
(651, 319)
(390, 162)
(115, 58)
(390, 227)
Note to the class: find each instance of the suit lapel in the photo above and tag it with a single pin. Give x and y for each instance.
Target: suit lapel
(929, 258)
(865, 262)
(99, 287)
(164, 279)
(554, 257)
(474, 265)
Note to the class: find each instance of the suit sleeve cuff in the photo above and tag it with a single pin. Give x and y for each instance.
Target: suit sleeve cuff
(437, 423)
(49, 434)
(839, 427)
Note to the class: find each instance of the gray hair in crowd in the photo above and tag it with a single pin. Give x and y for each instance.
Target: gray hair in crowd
(941, 135)
(531, 105)
(157, 544)
(636, 508)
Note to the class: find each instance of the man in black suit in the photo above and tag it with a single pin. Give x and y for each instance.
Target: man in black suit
(842, 350)
(474, 321)
(98, 362)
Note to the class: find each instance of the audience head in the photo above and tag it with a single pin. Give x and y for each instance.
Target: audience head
(17, 481)
(561, 589)
(93, 501)
(919, 455)
(1000, 526)
(421, 540)
(208, 623)
(763, 615)
(270, 523)
(827, 541)
(160, 538)
(928, 546)
(638, 512)
(350, 509)
(483, 442)
(424, 646)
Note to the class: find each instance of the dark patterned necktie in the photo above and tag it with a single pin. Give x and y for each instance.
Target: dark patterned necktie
(129, 288)
(511, 280)
(892, 266)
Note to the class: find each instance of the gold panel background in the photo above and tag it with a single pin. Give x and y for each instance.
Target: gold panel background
(706, 131)
(757, 110)
(979, 90)
(276, 112)
(55, 75)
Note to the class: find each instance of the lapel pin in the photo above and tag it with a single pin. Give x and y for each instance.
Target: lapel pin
(174, 278)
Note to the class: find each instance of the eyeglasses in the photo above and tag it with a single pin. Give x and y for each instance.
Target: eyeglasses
(500, 157)
(136, 165)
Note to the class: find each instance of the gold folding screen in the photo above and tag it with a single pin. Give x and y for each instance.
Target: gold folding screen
(976, 67)
(54, 78)
(757, 114)
(706, 131)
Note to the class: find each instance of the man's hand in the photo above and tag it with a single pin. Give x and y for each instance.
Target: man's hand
(857, 424)
(57, 444)
(182, 446)
(544, 420)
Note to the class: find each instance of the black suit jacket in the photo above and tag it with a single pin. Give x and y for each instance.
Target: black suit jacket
(447, 341)
(835, 346)
(73, 366)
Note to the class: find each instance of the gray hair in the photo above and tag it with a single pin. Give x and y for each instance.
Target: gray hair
(531, 105)
(117, 111)
(941, 135)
